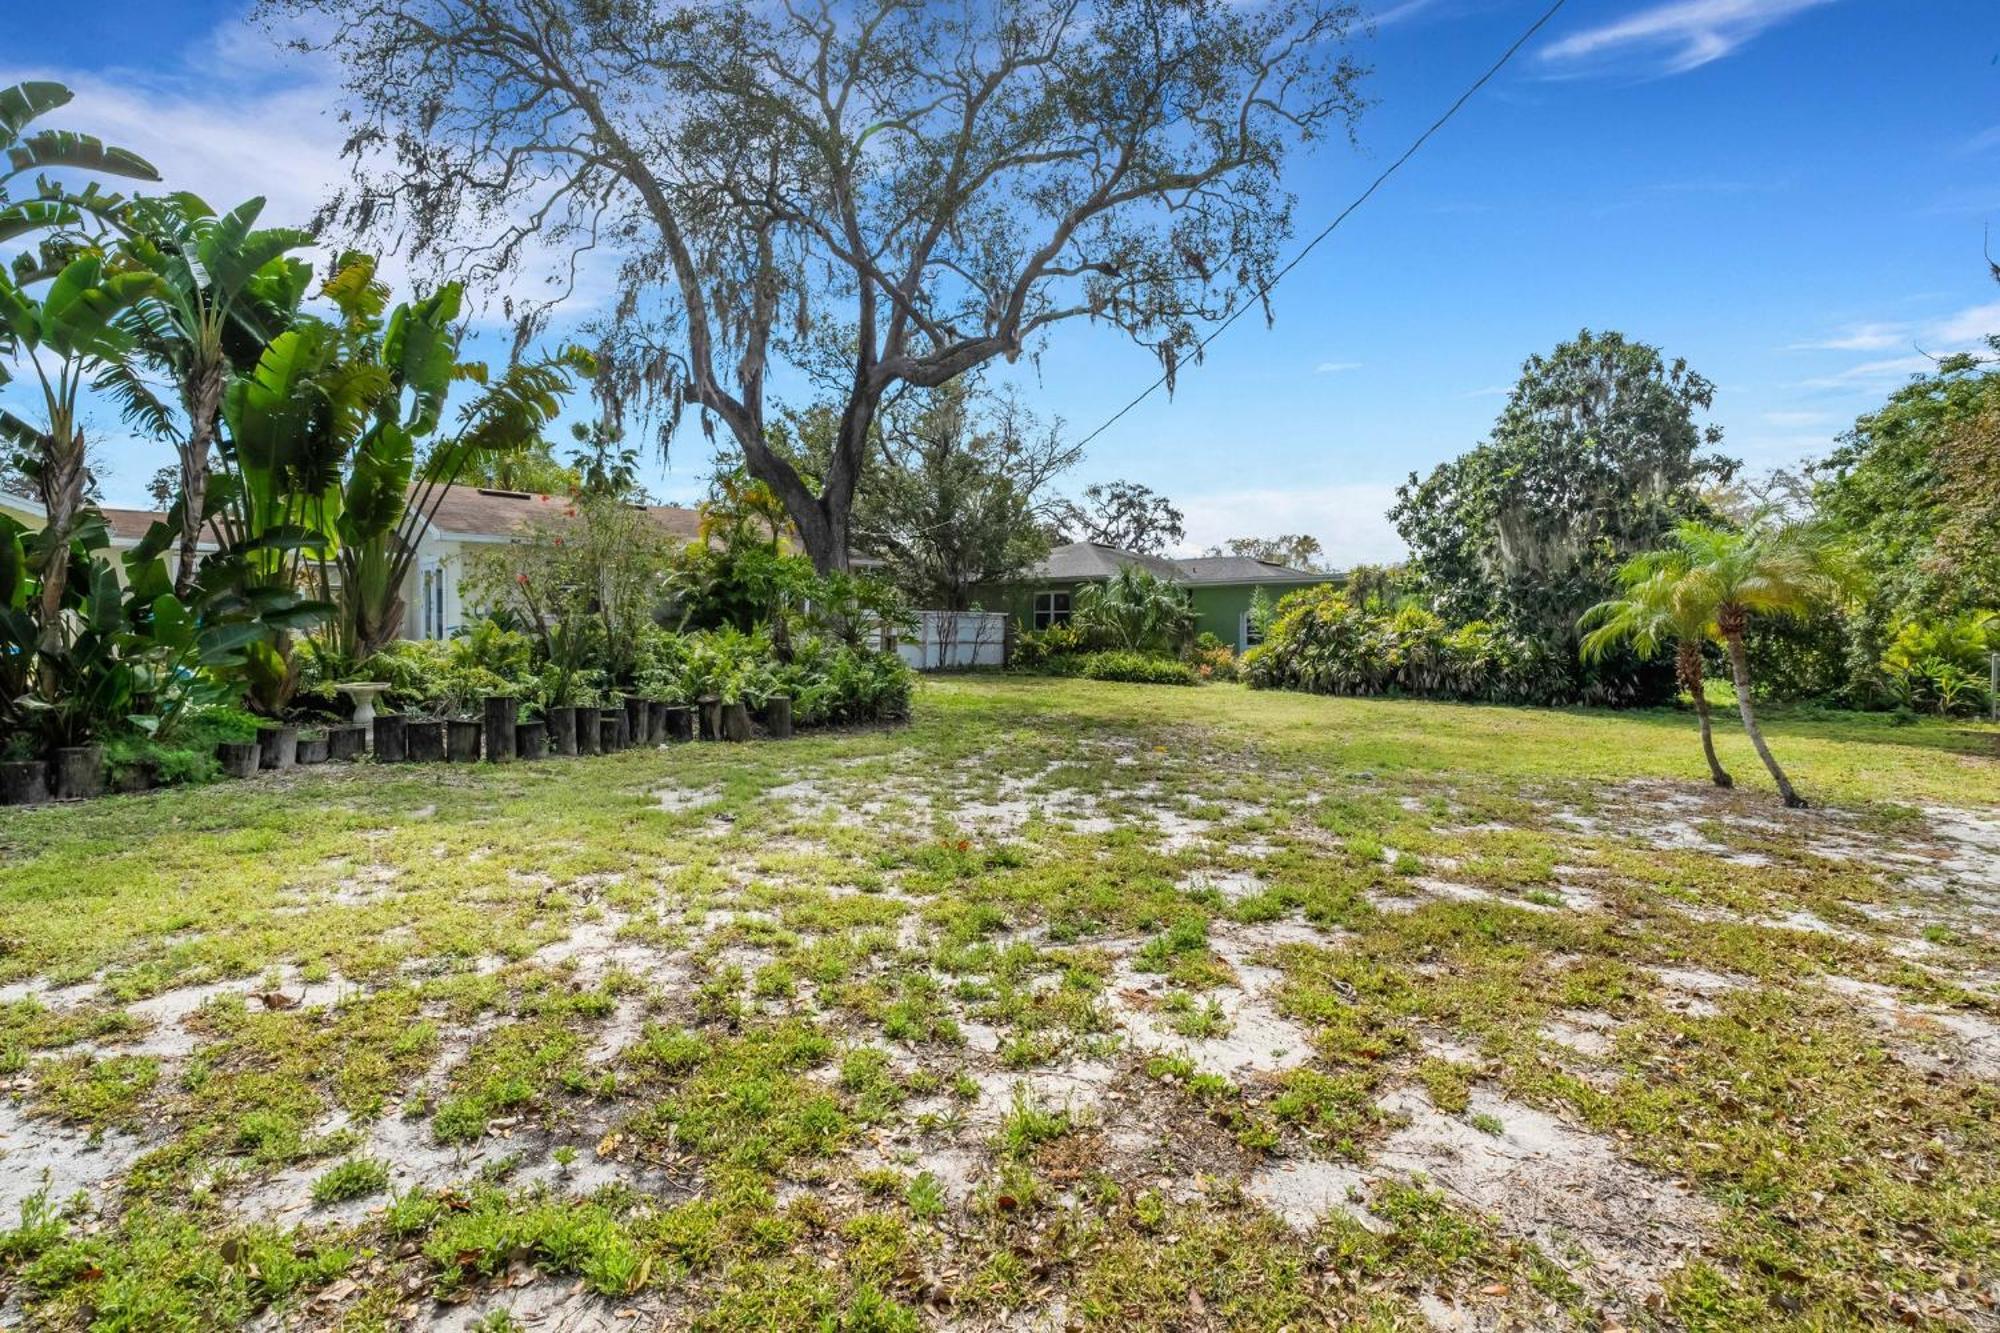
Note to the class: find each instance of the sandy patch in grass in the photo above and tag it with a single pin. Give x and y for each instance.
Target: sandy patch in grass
(37, 1154)
(1949, 1041)
(1607, 1220)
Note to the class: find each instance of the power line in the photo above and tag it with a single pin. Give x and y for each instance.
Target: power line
(1359, 200)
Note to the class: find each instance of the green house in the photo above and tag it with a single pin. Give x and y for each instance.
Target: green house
(1220, 586)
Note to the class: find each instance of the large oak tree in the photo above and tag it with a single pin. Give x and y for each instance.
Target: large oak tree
(924, 188)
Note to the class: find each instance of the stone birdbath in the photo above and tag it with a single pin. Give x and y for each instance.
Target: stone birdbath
(363, 693)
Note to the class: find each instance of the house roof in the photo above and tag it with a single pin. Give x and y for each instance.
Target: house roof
(129, 525)
(1244, 569)
(476, 511)
(1078, 562)
(1093, 560)
(465, 511)
(22, 510)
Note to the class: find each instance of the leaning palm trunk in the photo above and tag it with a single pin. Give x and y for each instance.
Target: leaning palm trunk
(1688, 664)
(1731, 622)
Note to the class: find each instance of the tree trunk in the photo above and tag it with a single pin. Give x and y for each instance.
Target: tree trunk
(1739, 665)
(203, 407)
(1688, 664)
(824, 521)
(61, 483)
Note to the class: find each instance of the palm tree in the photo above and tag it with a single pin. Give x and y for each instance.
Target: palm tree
(1718, 578)
(54, 206)
(1649, 616)
(1137, 610)
(225, 291)
(62, 338)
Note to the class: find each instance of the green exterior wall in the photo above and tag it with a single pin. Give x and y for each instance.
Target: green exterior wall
(1218, 607)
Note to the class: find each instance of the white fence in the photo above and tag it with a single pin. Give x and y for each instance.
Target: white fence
(947, 639)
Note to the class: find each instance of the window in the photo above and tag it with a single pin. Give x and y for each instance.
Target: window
(433, 602)
(1051, 608)
(1249, 635)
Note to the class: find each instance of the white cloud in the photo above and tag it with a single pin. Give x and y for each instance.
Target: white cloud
(1872, 373)
(1857, 338)
(1394, 14)
(1335, 367)
(1985, 139)
(1963, 330)
(239, 115)
(1351, 520)
(1677, 36)
(1970, 325)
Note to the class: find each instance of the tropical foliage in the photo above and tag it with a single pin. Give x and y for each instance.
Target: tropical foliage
(1320, 641)
(1710, 582)
(309, 447)
(1595, 457)
(1135, 611)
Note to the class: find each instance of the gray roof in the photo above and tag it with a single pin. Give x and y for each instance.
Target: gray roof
(1076, 562)
(1243, 569)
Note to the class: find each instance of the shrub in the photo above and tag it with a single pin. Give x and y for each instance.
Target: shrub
(1941, 665)
(1134, 668)
(187, 754)
(1137, 611)
(439, 679)
(1320, 642)
(1035, 649)
(1211, 658)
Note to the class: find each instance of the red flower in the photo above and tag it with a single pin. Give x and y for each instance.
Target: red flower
(521, 579)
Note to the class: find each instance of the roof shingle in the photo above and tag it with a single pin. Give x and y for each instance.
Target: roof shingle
(465, 511)
(1075, 562)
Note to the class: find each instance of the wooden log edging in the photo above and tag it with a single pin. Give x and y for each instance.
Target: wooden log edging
(277, 746)
(531, 740)
(425, 742)
(461, 740)
(79, 771)
(26, 781)
(347, 743)
(391, 738)
(562, 730)
(503, 713)
(587, 730)
(238, 758)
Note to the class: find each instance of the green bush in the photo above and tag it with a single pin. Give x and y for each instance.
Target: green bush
(1035, 649)
(1211, 658)
(185, 755)
(442, 679)
(1941, 666)
(1320, 642)
(1119, 665)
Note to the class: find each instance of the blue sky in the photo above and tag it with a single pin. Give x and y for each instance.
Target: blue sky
(1791, 194)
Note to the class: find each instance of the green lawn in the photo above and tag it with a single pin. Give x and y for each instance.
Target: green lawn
(1067, 1005)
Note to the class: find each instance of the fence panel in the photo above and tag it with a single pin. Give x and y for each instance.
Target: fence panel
(947, 640)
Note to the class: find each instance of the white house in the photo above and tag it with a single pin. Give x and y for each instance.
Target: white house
(467, 518)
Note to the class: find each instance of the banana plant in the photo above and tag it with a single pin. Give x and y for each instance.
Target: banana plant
(227, 289)
(64, 338)
(55, 206)
(336, 457)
